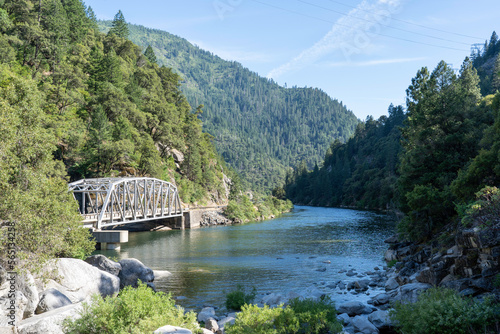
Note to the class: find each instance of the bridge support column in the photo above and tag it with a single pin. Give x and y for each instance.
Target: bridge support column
(180, 223)
(112, 239)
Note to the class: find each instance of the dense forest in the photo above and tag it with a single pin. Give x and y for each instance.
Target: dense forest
(432, 161)
(260, 128)
(360, 173)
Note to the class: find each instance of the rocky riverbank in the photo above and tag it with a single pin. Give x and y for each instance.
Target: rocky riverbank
(469, 264)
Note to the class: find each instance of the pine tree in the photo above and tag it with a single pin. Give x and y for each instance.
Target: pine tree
(496, 75)
(119, 26)
(150, 54)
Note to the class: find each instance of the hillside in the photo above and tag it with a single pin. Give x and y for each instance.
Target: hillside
(259, 127)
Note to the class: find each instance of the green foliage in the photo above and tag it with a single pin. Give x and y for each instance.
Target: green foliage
(485, 211)
(119, 26)
(260, 128)
(301, 316)
(444, 311)
(442, 132)
(34, 196)
(392, 263)
(237, 298)
(241, 208)
(360, 173)
(139, 310)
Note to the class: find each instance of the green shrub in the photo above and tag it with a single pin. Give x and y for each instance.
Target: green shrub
(392, 263)
(444, 311)
(138, 310)
(485, 211)
(236, 299)
(301, 316)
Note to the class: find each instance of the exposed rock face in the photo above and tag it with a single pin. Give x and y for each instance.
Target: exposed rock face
(134, 270)
(51, 299)
(78, 280)
(469, 266)
(103, 263)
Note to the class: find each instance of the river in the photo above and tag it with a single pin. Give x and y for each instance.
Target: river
(304, 248)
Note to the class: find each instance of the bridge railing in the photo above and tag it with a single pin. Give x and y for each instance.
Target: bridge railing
(115, 201)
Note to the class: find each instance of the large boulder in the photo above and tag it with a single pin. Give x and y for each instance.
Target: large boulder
(134, 270)
(49, 322)
(78, 280)
(362, 325)
(51, 299)
(354, 307)
(101, 262)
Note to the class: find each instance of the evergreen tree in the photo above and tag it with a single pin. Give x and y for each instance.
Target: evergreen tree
(150, 54)
(119, 26)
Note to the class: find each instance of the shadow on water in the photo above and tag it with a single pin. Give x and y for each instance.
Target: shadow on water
(274, 256)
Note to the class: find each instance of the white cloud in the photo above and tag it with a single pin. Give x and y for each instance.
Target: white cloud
(350, 35)
(372, 62)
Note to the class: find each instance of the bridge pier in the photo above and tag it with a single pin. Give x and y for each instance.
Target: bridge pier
(112, 238)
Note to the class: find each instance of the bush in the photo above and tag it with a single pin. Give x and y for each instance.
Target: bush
(301, 316)
(139, 310)
(236, 299)
(444, 311)
(485, 211)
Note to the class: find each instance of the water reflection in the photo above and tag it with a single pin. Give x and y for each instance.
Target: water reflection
(274, 256)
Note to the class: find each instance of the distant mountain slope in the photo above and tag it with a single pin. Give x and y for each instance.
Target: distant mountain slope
(260, 128)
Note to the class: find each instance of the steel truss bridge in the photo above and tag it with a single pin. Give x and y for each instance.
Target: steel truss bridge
(117, 201)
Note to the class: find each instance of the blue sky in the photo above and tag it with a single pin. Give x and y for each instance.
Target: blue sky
(363, 53)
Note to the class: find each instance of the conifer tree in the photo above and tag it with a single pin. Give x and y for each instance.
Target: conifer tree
(119, 26)
(150, 54)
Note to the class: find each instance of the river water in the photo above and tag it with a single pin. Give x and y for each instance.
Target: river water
(304, 248)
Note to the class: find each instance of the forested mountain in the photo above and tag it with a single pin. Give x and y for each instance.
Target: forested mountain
(259, 127)
(361, 173)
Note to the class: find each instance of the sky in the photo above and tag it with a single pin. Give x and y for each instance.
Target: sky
(361, 52)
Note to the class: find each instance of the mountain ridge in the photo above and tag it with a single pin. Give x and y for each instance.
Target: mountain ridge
(260, 128)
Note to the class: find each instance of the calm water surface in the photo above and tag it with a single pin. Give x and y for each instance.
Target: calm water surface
(274, 256)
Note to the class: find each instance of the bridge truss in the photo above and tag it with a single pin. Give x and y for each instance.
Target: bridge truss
(116, 201)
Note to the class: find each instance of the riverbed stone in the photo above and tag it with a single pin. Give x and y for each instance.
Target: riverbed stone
(51, 299)
(344, 318)
(212, 325)
(205, 314)
(103, 263)
(380, 319)
(391, 284)
(380, 299)
(354, 307)
(134, 270)
(230, 319)
(172, 330)
(363, 325)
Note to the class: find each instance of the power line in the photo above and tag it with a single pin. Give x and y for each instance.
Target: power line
(344, 25)
(383, 25)
(411, 23)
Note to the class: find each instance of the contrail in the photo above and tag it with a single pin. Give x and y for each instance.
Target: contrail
(349, 34)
